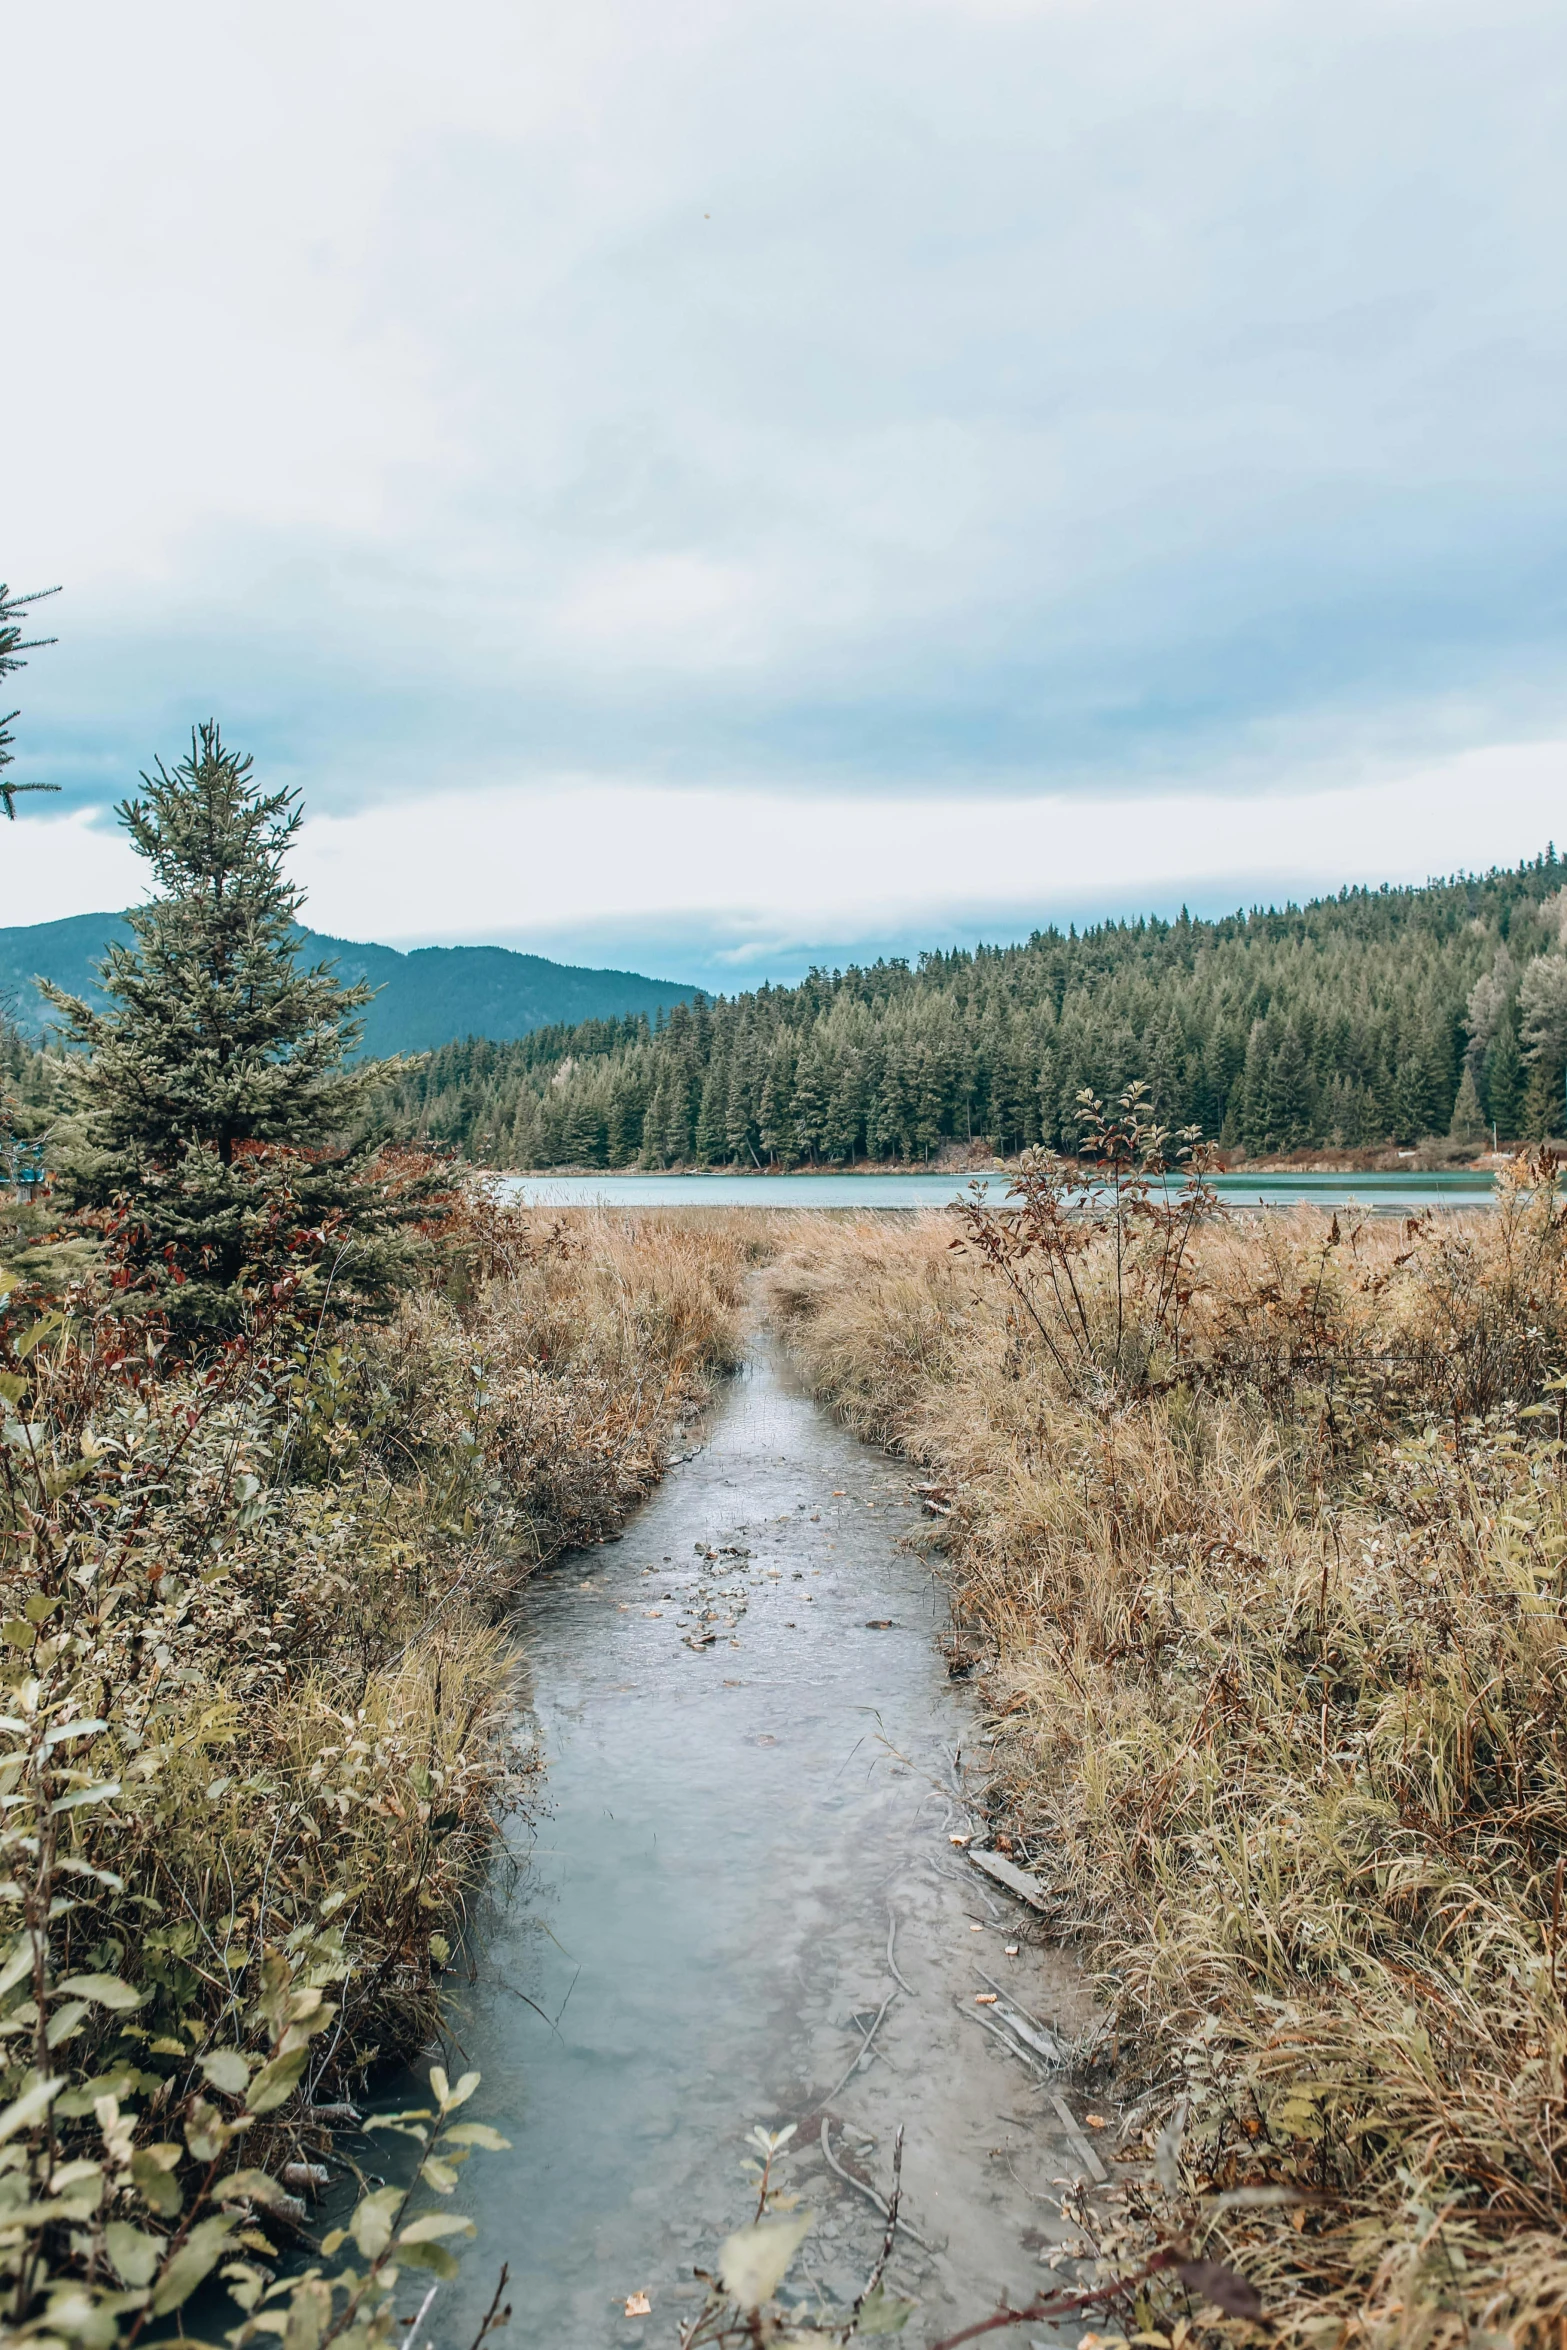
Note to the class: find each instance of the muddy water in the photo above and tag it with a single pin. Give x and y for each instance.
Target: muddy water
(697, 1936)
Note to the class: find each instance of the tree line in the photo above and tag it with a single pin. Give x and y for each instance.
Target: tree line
(1375, 1016)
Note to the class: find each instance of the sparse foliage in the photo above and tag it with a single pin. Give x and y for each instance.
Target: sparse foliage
(14, 646)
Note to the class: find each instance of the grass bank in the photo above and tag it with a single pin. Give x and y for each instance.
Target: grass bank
(255, 1703)
(1262, 1527)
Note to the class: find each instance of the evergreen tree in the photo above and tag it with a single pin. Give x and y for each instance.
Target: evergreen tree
(1504, 1082)
(220, 1107)
(1289, 1092)
(710, 1138)
(1468, 1120)
(1380, 986)
(1542, 1006)
(13, 645)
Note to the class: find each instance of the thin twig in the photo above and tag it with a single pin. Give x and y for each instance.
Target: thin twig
(892, 1964)
(491, 2321)
(885, 2254)
(865, 2188)
(860, 2051)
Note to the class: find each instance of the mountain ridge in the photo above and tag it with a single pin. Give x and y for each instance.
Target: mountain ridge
(429, 996)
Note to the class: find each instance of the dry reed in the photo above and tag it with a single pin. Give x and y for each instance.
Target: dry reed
(1278, 1643)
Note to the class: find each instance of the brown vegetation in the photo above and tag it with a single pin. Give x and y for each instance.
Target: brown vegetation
(254, 1716)
(1275, 1592)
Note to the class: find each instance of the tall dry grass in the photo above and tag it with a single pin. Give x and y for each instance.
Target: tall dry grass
(254, 1688)
(1278, 1643)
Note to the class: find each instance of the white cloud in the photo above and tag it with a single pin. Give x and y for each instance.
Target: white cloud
(1089, 402)
(542, 861)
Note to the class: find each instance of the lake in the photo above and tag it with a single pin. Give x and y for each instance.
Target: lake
(1382, 1194)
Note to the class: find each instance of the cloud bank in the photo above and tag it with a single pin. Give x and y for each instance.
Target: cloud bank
(792, 432)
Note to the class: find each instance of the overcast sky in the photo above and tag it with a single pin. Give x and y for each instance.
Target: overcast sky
(706, 485)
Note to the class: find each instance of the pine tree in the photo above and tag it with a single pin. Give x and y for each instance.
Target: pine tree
(12, 647)
(1504, 1082)
(1542, 1006)
(221, 1111)
(1468, 1121)
(1289, 1092)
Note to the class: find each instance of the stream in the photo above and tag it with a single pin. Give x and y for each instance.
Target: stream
(747, 1727)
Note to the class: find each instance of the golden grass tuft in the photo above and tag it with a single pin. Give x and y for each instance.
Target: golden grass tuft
(1279, 1660)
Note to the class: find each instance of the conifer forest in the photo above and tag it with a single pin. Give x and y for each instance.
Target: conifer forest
(1380, 1015)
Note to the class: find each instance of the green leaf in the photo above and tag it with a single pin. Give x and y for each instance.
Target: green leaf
(433, 2225)
(12, 1386)
(65, 2022)
(26, 2111)
(81, 2317)
(447, 2098)
(22, 1347)
(105, 1990)
(196, 2258)
(227, 2070)
(752, 2261)
(309, 2314)
(371, 2225)
(254, 2186)
(882, 2312)
(431, 2256)
(18, 1632)
(152, 2174)
(277, 2081)
(134, 2253)
(477, 2134)
(19, 1963)
(96, 1794)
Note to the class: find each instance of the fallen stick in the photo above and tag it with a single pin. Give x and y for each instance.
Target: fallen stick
(1032, 2033)
(860, 2051)
(885, 2254)
(865, 2188)
(892, 1964)
(1080, 2146)
(1011, 2046)
(1085, 2152)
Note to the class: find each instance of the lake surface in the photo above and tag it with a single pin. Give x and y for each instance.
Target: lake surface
(730, 1839)
(1382, 1194)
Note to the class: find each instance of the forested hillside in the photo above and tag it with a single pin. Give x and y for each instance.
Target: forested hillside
(1376, 1015)
(422, 999)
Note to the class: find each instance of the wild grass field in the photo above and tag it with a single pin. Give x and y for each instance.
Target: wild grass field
(1260, 1525)
(256, 1710)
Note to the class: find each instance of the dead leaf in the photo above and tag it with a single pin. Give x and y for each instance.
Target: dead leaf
(954, 1838)
(1096, 2121)
(984, 1999)
(1011, 1950)
(638, 2305)
(1221, 2286)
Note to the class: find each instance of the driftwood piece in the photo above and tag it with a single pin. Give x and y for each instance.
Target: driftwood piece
(995, 1864)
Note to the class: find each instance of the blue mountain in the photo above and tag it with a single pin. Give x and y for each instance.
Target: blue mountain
(428, 997)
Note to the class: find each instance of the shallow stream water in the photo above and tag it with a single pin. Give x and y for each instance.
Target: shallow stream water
(728, 1838)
